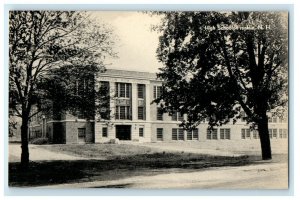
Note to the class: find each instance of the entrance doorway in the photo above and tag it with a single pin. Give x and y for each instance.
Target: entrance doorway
(123, 132)
(81, 135)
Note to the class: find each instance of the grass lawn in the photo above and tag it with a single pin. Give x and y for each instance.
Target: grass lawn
(120, 161)
(101, 151)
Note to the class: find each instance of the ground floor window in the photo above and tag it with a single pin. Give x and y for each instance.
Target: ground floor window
(192, 134)
(104, 132)
(81, 134)
(212, 134)
(246, 133)
(225, 133)
(272, 133)
(282, 133)
(255, 134)
(141, 132)
(285, 133)
(159, 134)
(177, 134)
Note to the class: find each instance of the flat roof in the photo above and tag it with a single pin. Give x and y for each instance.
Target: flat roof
(129, 74)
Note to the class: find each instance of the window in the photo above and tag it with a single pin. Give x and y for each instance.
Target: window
(283, 119)
(174, 133)
(180, 134)
(159, 134)
(212, 134)
(81, 132)
(180, 117)
(225, 133)
(141, 132)
(82, 86)
(123, 90)
(141, 91)
(104, 132)
(246, 133)
(177, 116)
(123, 112)
(192, 134)
(177, 134)
(243, 134)
(272, 133)
(284, 133)
(255, 134)
(174, 116)
(159, 114)
(157, 91)
(104, 102)
(141, 113)
(280, 133)
(272, 119)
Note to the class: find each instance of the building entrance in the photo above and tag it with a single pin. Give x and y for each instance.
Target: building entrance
(123, 132)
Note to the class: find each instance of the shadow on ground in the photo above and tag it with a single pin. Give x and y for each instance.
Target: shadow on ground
(57, 172)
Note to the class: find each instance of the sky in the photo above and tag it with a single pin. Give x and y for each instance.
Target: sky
(137, 44)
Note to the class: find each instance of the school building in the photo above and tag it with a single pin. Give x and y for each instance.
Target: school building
(133, 117)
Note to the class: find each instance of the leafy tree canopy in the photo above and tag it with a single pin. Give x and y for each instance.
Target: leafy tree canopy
(219, 63)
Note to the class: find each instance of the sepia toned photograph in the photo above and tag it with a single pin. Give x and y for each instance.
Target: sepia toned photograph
(148, 99)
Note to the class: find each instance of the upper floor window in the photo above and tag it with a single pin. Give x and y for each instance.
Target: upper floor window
(141, 112)
(159, 114)
(104, 101)
(123, 112)
(123, 90)
(282, 120)
(141, 91)
(83, 86)
(157, 91)
(177, 116)
(273, 119)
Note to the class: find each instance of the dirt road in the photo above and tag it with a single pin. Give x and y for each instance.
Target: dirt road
(37, 154)
(262, 176)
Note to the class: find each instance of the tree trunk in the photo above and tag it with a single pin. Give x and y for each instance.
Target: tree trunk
(264, 138)
(24, 141)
